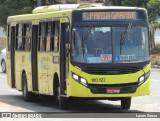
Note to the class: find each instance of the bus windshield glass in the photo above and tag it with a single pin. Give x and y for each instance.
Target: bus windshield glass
(104, 44)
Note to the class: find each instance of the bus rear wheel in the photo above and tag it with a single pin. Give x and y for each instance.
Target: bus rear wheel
(126, 103)
(27, 96)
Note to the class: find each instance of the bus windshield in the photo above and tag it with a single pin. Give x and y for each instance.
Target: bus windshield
(104, 44)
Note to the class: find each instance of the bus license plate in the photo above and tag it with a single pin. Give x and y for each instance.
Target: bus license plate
(113, 90)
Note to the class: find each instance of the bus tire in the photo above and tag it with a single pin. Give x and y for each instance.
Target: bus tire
(62, 101)
(126, 103)
(27, 96)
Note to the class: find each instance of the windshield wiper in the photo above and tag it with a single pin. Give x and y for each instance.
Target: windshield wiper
(85, 38)
(124, 35)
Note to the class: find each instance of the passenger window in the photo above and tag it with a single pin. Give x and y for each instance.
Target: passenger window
(42, 36)
(23, 37)
(28, 34)
(9, 37)
(56, 37)
(19, 43)
(48, 36)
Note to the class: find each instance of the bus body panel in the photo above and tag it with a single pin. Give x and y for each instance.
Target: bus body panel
(83, 91)
(145, 89)
(42, 73)
(53, 63)
(8, 67)
(23, 65)
(46, 71)
(78, 90)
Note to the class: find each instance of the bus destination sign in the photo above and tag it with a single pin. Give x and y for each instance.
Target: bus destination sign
(108, 15)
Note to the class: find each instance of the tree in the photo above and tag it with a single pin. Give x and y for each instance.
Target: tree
(153, 7)
(71, 1)
(14, 7)
(114, 2)
(136, 3)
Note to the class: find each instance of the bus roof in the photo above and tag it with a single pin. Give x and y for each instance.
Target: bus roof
(60, 9)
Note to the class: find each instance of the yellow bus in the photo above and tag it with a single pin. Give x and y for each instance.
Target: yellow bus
(80, 51)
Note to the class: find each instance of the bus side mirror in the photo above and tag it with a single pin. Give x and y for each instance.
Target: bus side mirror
(73, 36)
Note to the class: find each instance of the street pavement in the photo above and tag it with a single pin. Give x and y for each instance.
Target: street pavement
(11, 101)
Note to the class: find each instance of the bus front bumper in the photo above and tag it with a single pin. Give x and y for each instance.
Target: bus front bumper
(76, 89)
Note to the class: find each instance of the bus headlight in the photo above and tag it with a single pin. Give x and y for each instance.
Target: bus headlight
(143, 78)
(83, 81)
(75, 77)
(79, 79)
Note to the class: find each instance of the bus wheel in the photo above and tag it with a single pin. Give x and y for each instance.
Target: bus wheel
(27, 96)
(126, 103)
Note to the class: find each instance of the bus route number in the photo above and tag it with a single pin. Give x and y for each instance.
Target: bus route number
(98, 79)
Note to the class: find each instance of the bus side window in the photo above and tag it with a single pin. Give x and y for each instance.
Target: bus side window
(56, 37)
(42, 36)
(28, 33)
(9, 37)
(48, 37)
(19, 43)
(52, 35)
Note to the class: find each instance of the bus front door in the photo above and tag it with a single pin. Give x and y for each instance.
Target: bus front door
(63, 58)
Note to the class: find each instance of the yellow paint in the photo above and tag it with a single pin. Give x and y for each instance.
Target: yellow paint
(64, 20)
(13, 23)
(8, 67)
(22, 62)
(35, 22)
(77, 90)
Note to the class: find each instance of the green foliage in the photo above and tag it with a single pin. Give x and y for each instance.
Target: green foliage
(13, 7)
(153, 7)
(154, 25)
(57, 2)
(136, 3)
(156, 50)
(113, 2)
(71, 1)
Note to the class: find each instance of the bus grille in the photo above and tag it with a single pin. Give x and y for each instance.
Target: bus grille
(123, 89)
(111, 70)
